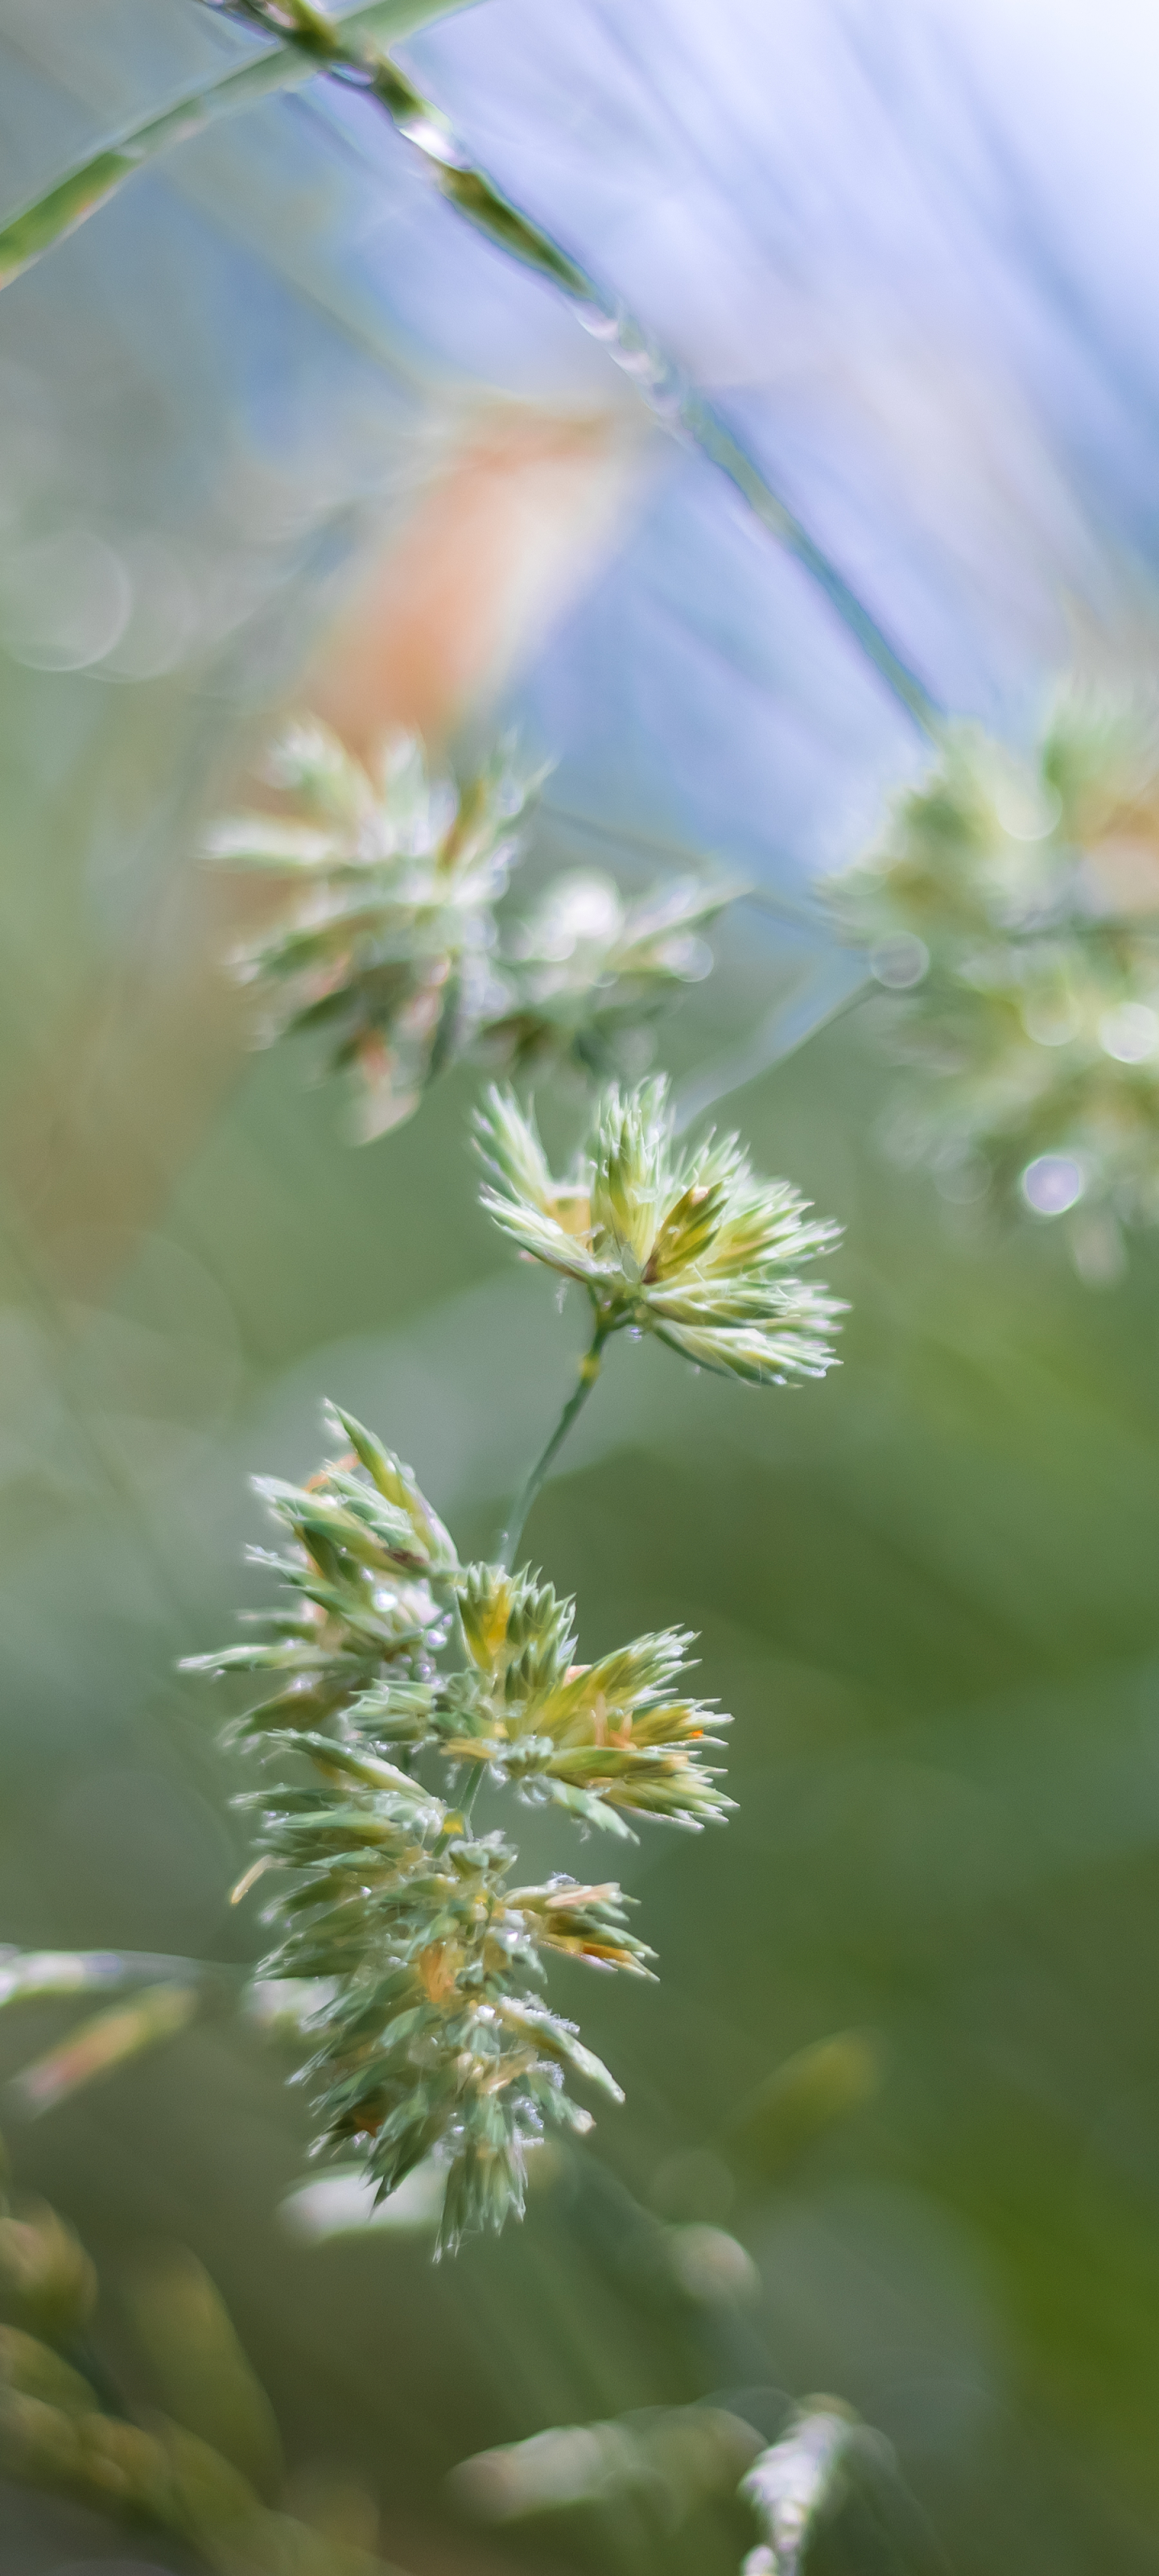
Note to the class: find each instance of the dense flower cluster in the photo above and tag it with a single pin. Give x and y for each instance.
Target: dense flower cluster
(686, 1243)
(1013, 908)
(595, 1738)
(393, 952)
(430, 2034)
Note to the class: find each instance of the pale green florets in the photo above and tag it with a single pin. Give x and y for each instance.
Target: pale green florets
(686, 1243)
(430, 2035)
(599, 1739)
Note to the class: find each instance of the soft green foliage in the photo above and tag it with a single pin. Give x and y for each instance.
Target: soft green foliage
(67, 2428)
(1014, 908)
(429, 2032)
(48, 2287)
(393, 951)
(687, 1243)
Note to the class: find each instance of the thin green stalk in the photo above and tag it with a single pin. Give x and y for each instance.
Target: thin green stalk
(462, 1808)
(52, 217)
(716, 441)
(589, 1372)
(668, 392)
(675, 401)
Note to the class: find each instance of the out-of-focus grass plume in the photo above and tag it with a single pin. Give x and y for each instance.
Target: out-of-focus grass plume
(393, 952)
(387, 952)
(1013, 907)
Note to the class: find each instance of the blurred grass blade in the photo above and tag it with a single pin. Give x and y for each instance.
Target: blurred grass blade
(205, 2379)
(803, 2096)
(680, 2457)
(832, 2474)
(39, 1976)
(833, 981)
(56, 214)
(791, 2484)
(105, 2041)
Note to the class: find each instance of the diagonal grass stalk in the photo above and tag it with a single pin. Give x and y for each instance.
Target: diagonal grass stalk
(588, 1373)
(353, 48)
(669, 394)
(50, 218)
(835, 983)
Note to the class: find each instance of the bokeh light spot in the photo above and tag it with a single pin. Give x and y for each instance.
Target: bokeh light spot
(1052, 1184)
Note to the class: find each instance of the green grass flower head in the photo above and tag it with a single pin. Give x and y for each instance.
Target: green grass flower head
(393, 1684)
(684, 1242)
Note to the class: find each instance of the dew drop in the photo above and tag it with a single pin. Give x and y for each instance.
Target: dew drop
(1052, 1184)
(1130, 1034)
(898, 963)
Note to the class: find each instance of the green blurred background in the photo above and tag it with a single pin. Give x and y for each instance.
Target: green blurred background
(925, 1588)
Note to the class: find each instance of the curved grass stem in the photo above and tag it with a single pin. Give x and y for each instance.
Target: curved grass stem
(77, 194)
(589, 1371)
(50, 219)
